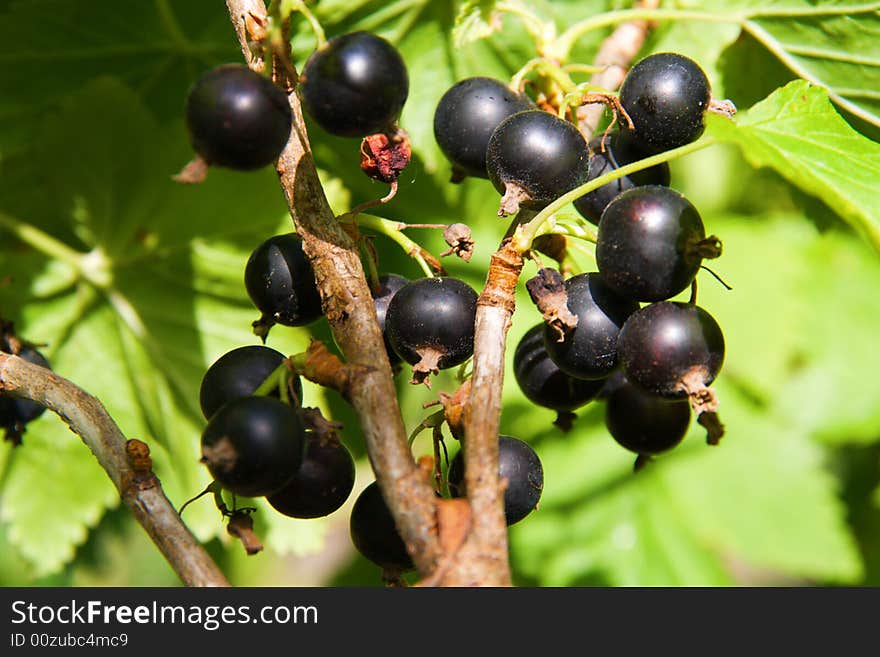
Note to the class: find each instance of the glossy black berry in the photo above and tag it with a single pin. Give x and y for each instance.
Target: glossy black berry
(389, 284)
(620, 150)
(374, 533)
(651, 243)
(238, 373)
(281, 283)
(322, 483)
(355, 85)
(466, 117)
(671, 349)
(589, 351)
(666, 96)
(520, 466)
(644, 423)
(237, 118)
(430, 323)
(253, 445)
(541, 380)
(534, 157)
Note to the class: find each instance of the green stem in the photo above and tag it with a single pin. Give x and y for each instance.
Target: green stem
(544, 68)
(170, 23)
(523, 238)
(392, 230)
(42, 242)
(287, 7)
(579, 230)
(561, 47)
(271, 382)
(372, 271)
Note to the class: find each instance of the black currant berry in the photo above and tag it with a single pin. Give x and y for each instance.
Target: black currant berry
(430, 324)
(619, 151)
(355, 85)
(520, 466)
(238, 373)
(237, 118)
(16, 412)
(322, 483)
(644, 423)
(254, 445)
(651, 243)
(671, 349)
(666, 96)
(466, 117)
(281, 283)
(389, 284)
(541, 380)
(589, 351)
(534, 157)
(374, 533)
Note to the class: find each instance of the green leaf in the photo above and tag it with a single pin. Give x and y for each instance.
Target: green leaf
(833, 44)
(830, 43)
(798, 132)
(157, 47)
(51, 496)
(834, 390)
(695, 516)
(808, 289)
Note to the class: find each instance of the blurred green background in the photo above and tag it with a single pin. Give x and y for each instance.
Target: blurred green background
(91, 97)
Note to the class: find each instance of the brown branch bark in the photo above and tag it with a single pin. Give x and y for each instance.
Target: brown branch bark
(484, 556)
(615, 55)
(348, 307)
(126, 463)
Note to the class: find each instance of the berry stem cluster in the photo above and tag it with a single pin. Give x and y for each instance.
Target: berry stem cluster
(348, 307)
(527, 233)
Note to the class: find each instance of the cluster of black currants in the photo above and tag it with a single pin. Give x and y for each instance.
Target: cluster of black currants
(16, 413)
(262, 445)
(651, 242)
(647, 361)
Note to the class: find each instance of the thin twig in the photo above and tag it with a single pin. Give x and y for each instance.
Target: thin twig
(125, 462)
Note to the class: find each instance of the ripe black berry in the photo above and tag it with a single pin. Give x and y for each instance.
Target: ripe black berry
(238, 373)
(253, 445)
(619, 151)
(389, 284)
(281, 283)
(541, 380)
(534, 157)
(322, 483)
(589, 351)
(237, 118)
(374, 533)
(355, 85)
(466, 116)
(430, 324)
(644, 423)
(671, 349)
(651, 243)
(520, 466)
(666, 96)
